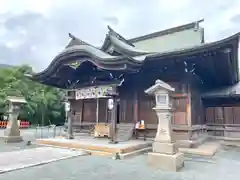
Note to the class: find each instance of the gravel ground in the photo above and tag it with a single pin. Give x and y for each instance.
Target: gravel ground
(224, 165)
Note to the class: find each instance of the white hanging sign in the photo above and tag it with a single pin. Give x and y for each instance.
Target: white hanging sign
(95, 92)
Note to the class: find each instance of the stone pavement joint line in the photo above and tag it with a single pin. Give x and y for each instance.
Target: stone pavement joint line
(10, 161)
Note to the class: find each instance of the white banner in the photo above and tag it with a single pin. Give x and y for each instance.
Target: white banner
(95, 92)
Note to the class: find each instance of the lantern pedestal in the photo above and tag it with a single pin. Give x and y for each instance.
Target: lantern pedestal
(12, 133)
(165, 161)
(165, 153)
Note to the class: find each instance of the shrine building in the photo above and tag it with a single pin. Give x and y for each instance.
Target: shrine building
(205, 76)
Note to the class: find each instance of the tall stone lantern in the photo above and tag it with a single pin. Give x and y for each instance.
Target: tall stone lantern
(12, 132)
(165, 153)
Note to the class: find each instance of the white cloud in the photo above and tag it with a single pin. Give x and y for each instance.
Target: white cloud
(41, 6)
(34, 31)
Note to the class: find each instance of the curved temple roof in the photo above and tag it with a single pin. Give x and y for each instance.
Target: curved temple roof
(107, 41)
(129, 58)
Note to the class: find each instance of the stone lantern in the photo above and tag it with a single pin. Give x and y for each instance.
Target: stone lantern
(165, 153)
(12, 132)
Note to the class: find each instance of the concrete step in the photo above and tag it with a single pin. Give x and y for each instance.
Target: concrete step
(125, 132)
(136, 153)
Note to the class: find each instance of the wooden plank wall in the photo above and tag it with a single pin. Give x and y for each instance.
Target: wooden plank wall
(145, 109)
(180, 108)
(102, 116)
(77, 107)
(126, 106)
(89, 110)
(223, 115)
(86, 109)
(179, 103)
(197, 109)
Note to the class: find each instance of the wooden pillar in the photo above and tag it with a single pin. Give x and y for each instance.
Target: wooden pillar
(135, 108)
(97, 111)
(124, 117)
(106, 111)
(81, 111)
(189, 108)
(113, 122)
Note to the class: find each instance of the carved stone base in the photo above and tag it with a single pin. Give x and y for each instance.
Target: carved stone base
(166, 161)
(13, 139)
(165, 148)
(191, 143)
(189, 137)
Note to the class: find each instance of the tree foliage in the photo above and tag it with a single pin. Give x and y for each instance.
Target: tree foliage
(44, 103)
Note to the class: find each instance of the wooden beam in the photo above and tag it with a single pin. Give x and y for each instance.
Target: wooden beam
(97, 111)
(189, 107)
(81, 111)
(107, 114)
(135, 106)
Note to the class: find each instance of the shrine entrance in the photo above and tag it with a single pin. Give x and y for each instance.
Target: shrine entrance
(90, 104)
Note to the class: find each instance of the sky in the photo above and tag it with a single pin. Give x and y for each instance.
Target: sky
(35, 31)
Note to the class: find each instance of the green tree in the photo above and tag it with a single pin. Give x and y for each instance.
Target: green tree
(44, 104)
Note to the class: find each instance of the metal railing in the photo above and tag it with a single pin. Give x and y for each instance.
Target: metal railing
(48, 131)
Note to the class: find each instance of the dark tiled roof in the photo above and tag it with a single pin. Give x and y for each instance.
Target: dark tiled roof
(98, 56)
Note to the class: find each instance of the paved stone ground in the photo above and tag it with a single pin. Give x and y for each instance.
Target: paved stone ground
(31, 157)
(14, 146)
(28, 134)
(225, 165)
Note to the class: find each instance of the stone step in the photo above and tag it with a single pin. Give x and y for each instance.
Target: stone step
(125, 132)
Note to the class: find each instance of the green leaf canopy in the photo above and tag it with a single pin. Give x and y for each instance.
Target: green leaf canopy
(44, 104)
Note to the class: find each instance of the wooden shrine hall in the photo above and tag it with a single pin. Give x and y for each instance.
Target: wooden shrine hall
(179, 56)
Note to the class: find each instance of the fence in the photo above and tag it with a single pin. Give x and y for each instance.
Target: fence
(49, 131)
(22, 124)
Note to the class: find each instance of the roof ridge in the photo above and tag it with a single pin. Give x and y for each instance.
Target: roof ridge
(167, 31)
(117, 35)
(76, 41)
